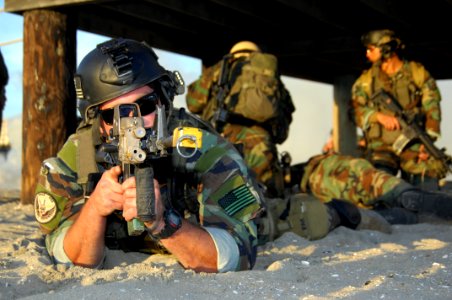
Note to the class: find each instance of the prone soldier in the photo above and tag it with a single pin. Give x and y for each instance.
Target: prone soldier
(203, 203)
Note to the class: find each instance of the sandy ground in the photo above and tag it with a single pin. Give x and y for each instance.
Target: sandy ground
(414, 262)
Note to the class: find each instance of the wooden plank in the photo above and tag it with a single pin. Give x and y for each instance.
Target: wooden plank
(48, 104)
(23, 5)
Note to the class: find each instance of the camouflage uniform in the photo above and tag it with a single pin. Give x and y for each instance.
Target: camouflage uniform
(418, 94)
(224, 196)
(333, 176)
(258, 134)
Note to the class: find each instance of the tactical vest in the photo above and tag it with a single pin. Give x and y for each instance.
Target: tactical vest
(405, 86)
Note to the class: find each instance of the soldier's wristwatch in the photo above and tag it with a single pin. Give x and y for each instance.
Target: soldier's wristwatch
(173, 221)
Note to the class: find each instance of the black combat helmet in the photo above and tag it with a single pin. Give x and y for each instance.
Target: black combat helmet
(385, 39)
(117, 67)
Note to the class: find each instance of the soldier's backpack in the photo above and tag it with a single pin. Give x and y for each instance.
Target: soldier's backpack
(258, 94)
(255, 94)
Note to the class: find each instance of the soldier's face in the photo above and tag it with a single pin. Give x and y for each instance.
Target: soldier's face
(130, 97)
(373, 53)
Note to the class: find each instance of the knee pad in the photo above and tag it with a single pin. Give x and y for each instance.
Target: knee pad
(308, 217)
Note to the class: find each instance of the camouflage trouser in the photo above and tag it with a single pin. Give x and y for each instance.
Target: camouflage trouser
(258, 150)
(351, 179)
(408, 161)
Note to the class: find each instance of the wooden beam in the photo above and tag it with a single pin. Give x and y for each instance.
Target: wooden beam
(198, 9)
(24, 5)
(108, 22)
(162, 16)
(254, 14)
(335, 45)
(322, 11)
(48, 105)
(406, 16)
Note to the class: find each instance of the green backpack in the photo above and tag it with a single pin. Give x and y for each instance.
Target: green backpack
(258, 94)
(255, 94)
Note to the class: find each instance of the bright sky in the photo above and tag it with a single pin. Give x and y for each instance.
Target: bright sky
(313, 101)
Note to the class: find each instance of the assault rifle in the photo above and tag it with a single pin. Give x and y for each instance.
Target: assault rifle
(411, 131)
(135, 150)
(220, 116)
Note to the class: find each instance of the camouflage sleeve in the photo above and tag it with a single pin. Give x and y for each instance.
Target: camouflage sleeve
(431, 98)
(228, 198)
(58, 197)
(199, 91)
(360, 99)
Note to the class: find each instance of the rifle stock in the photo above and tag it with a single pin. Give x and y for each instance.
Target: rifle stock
(410, 129)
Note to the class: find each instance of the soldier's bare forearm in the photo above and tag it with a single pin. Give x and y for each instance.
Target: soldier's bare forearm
(84, 242)
(193, 247)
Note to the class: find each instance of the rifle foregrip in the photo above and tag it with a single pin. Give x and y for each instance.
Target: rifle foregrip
(145, 193)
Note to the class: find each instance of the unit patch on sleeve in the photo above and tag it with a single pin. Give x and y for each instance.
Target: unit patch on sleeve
(45, 207)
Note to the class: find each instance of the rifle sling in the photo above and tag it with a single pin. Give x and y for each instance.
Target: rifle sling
(86, 163)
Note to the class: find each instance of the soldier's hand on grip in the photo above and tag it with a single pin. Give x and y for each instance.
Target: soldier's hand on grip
(389, 122)
(108, 194)
(130, 204)
(423, 154)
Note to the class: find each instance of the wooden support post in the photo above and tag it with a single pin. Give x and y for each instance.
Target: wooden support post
(344, 130)
(49, 97)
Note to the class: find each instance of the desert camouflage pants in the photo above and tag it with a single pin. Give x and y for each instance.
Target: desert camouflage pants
(351, 179)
